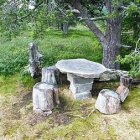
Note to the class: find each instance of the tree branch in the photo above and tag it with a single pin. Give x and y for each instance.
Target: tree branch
(91, 25)
(93, 19)
(124, 46)
(30, 13)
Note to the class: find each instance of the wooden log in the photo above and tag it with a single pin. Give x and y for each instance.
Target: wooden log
(108, 102)
(122, 92)
(123, 89)
(34, 60)
(45, 97)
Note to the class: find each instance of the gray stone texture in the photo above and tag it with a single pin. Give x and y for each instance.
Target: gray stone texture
(81, 67)
(50, 75)
(45, 97)
(80, 87)
(112, 75)
(108, 102)
(81, 74)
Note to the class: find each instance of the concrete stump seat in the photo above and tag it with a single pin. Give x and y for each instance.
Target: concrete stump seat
(50, 75)
(81, 74)
(45, 97)
(108, 102)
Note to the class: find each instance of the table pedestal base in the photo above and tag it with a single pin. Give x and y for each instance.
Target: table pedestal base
(80, 87)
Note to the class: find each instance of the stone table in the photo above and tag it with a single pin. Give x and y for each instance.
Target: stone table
(81, 74)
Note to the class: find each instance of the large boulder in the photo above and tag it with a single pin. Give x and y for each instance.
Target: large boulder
(108, 102)
(112, 75)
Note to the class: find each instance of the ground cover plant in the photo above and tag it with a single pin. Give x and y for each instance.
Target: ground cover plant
(79, 43)
(71, 119)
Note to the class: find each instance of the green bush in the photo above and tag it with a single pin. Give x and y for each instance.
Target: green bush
(79, 43)
(133, 60)
(12, 60)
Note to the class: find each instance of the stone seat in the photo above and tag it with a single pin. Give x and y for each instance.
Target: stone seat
(108, 102)
(45, 97)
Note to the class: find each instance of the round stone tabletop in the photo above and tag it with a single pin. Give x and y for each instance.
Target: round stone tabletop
(81, 67)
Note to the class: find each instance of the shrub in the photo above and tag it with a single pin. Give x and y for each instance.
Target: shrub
(12, 60)
(133, 59)
(79, 43)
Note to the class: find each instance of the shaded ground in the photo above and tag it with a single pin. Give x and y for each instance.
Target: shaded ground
(72, 120)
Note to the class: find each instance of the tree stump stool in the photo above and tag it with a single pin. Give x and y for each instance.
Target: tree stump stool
(123, 89)
(50, 75)
(125, 81)
(45, 97)
(108, 102)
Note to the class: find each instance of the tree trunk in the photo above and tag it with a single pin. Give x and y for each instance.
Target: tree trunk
(110, 53)
(111, 39)
(34, 60)
(111, 48)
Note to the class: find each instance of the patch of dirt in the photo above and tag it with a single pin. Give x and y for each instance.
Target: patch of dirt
(34, 119)
(25, 98)
(61, 119)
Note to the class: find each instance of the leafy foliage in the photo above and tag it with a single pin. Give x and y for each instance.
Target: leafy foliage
(12, 60)
(133, 59)
(16, 16)
(131, 23)
(78, 44)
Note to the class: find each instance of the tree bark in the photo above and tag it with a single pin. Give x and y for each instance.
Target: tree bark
(34, 60)
(111, 39)
(108, 102)
(111, 48)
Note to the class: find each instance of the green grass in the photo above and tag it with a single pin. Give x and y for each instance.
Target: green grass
(135, 124)
(133, 100)
(14, 84)
(71, 119)
(79, 43)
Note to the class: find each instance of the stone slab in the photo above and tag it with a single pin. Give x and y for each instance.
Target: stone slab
(81, 96)
(80, 87)
(81, 67)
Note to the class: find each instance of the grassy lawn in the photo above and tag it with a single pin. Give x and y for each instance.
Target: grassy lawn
(79, 43)
(71, 120)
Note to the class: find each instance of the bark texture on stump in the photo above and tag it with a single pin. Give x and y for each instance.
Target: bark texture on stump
(123, 89)
(51, 75)
(125, 81)
(45, 97)
(34, 60)
(123, 92)
(108, 102)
